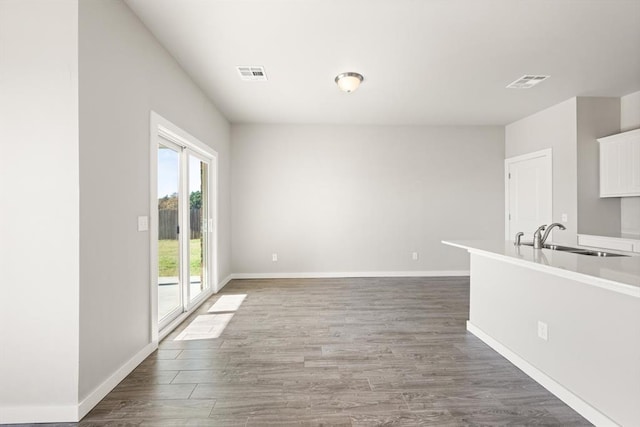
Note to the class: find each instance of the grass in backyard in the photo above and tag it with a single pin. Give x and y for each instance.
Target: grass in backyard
(168, 258)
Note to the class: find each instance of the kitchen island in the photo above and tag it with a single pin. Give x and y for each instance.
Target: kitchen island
(570, 321)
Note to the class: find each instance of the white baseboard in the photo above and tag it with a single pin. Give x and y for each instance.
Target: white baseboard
(348, 274)
(38, 414)
(103, 389)
(576, 403)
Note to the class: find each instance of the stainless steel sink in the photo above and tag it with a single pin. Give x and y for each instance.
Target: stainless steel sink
(597, 253)
(579, 251)
(560, 248)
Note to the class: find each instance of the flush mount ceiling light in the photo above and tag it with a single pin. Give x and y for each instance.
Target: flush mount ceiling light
(348, 82)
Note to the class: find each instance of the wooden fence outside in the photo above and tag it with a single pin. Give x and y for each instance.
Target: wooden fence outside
(168, 224)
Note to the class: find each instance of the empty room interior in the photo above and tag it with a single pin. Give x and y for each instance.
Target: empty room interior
(308, 212)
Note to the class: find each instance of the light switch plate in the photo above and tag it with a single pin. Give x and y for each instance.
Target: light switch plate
(143, 223)
(543, 331)
(565, 217)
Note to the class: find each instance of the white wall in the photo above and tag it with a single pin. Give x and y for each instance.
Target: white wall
(362, 198)
(124, 74)
(629, 120)
(553, 128)
(596, 118)
(630, 112)
(39, 200)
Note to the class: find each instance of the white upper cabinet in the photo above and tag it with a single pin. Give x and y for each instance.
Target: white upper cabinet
(620, 164)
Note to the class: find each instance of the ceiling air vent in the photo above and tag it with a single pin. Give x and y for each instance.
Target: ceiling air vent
(526, 82)
(252, 73)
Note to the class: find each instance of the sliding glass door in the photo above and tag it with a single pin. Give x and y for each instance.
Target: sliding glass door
(183, 229)
(198, 225)
(169, 254)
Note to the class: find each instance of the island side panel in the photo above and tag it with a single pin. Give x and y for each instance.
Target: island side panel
(593, 346)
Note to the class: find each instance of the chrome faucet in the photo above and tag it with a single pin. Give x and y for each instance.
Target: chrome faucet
(518, 237)
(539, 238)
(546, 233)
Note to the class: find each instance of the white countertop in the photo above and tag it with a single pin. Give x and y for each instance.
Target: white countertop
(623, 236)
(619, 274)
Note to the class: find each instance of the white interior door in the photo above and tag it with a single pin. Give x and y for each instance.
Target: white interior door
(529, 193)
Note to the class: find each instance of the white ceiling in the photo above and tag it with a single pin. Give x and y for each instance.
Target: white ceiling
(432, 62)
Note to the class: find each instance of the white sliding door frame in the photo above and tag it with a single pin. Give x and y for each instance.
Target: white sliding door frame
(205, 230)
(162, 129)
(179, 309)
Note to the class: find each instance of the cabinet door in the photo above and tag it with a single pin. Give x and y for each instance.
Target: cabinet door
(610, 169)
(620, 165)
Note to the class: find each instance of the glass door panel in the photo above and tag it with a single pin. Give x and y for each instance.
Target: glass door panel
(198, 226)
(169, 283)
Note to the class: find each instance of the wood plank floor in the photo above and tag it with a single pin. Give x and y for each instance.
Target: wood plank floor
(336, 352)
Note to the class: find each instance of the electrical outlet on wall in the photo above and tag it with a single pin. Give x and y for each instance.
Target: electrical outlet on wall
(274, 257)
(543, 330)
(414, 256)
(565, 218)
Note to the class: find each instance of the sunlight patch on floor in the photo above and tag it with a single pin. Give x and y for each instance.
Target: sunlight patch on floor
(206, 326)
(212, 324)
(227, 303)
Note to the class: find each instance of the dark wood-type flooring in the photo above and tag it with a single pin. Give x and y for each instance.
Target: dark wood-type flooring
(334, 352)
